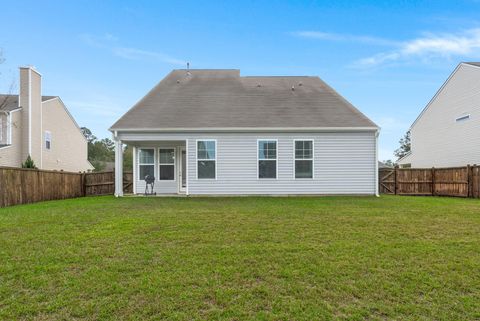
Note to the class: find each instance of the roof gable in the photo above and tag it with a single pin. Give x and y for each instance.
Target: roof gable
(467, 64)
(219, 98)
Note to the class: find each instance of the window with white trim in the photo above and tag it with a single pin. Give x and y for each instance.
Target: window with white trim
(267, 159)
(303, 158)
(206, 159)
(48, 140)
(146, 163)
(166, 164)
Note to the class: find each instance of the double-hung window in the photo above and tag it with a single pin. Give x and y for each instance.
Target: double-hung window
(166, 164)
(206, 159)
(267, 159)
(146, 162)
(303, 158)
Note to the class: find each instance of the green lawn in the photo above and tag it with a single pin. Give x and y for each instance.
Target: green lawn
(305, 258)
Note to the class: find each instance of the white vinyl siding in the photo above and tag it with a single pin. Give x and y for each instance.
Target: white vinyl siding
(440, 137)
(344, 163)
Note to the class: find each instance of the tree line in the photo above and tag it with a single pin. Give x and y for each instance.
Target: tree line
(101, 152)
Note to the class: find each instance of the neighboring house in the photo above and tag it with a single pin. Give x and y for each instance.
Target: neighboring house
(382, 165)
(447, 131)
(39, 126)
(214, 132)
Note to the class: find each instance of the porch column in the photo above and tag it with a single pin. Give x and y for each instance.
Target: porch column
(118, 168)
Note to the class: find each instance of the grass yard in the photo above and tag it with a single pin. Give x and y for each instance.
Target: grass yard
(251, 258)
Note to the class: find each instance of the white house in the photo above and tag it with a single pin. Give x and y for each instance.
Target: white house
(447, 131)
(215, 132)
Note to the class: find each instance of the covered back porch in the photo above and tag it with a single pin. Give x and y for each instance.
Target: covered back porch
(164, 161)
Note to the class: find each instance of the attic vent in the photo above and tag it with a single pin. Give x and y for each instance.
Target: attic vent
(178, 81)
(300, 84)
(462, 118)
(258, 85)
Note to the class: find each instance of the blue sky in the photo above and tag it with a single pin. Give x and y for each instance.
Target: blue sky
(386, 57)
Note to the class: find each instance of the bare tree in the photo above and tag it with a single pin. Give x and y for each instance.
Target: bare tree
(3, 100)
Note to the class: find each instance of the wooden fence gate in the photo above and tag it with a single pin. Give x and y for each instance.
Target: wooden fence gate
(451, 181)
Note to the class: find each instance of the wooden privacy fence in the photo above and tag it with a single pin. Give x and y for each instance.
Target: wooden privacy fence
(103, 183)
(451, 181)
(22, 185)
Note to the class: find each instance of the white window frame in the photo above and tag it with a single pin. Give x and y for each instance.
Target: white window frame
(1, 127)
(170, 164)
(9, 128)
(202, 159)
(139, 149)
(295, 158)
(276, 157)
(461, 119)
(48, 134)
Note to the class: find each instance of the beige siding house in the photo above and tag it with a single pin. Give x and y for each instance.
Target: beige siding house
(214, 132)
(39, 126)
(447, 132)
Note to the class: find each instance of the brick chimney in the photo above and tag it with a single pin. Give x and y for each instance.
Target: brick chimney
(30, 99)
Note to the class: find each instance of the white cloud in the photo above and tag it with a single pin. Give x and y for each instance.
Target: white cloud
(110, 42)
(327, 36)
(139, 54)
(429, 46)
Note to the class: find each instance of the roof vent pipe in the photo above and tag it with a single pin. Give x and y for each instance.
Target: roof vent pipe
(293, 88)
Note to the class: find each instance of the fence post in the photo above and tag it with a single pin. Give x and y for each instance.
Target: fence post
(433, 181)
(475, 174)
(469, 181)
(84, 184)
(395, 180)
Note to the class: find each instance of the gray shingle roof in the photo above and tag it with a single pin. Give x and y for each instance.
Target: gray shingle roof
(219, 98)
(10, 102)
(477, 64)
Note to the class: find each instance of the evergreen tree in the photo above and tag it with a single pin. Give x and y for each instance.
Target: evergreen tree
(405, 146)
(29, 163)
